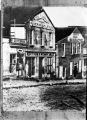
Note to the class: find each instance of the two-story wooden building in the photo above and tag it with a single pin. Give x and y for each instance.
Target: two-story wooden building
(70, 53)
(31, 46)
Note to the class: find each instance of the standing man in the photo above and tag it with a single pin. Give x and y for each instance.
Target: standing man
(75, 71)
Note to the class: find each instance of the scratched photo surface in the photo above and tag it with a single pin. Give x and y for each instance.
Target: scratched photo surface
(44, 50)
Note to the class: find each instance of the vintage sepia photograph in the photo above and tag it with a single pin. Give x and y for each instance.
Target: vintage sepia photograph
(43, 61)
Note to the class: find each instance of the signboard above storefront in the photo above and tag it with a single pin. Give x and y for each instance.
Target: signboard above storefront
(41, 20)
(28, 54)
(18, 41)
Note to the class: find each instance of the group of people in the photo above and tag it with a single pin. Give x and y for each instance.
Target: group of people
(22, 69)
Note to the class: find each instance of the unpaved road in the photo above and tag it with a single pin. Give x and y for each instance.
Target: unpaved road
(63, 97)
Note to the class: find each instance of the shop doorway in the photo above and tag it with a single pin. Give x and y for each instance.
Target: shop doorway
(31, 66)
(75, 71)
(12, 63)
(40, 67)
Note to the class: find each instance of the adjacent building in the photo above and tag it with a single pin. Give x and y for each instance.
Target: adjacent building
(30, 48)
(71, 53)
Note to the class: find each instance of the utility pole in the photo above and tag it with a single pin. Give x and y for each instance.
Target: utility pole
(1, 61)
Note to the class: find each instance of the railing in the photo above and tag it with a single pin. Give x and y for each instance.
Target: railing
(18, 41)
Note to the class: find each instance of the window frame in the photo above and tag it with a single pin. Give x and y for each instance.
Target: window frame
(64, 49)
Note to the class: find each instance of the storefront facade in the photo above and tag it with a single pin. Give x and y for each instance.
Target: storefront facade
(31, 48)
(40, 55)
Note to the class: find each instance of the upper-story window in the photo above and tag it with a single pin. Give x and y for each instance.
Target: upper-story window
(63, 49)
(75, 48)
(84, 50)
(45, 39)
(71, 48)
(50, 39)
(79, 47)
(37, 37)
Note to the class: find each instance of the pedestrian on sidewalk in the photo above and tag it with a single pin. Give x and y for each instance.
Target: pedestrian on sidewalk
(75, 71)
(26, 70)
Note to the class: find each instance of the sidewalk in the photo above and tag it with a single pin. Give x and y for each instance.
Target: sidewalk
(23, 83)
(45, 115)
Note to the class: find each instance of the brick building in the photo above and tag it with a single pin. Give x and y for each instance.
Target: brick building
(30, 47)
(71, 52)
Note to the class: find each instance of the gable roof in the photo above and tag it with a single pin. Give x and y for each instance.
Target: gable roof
(63, 32)
(21, 15)
(66, 31)
(41, 10)
(76, 30)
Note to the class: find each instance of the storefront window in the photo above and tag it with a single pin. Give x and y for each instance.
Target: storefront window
(49, 65)
(19, 65)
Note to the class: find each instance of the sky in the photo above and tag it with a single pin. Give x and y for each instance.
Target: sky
(67, 16)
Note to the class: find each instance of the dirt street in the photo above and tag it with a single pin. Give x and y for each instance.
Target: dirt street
(45, 98)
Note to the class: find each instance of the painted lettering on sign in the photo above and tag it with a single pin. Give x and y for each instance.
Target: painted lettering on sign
(39, 54)
(38, 24)
(41, 20)
(20, 41)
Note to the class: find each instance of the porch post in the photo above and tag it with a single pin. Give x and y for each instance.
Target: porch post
(37, 66)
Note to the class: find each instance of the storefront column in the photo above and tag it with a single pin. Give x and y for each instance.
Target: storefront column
(32, 37)
(60, 71)
(37, 66)
(24, 65)
(71, 68)
(83, 68)
(54, 63)
(43, 65)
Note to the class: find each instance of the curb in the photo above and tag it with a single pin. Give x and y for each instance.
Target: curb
(47, 84)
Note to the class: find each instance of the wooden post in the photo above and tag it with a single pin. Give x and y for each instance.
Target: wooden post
(1, 61)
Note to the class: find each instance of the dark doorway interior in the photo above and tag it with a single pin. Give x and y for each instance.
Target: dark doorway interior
(31, 66)
(40, 67)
